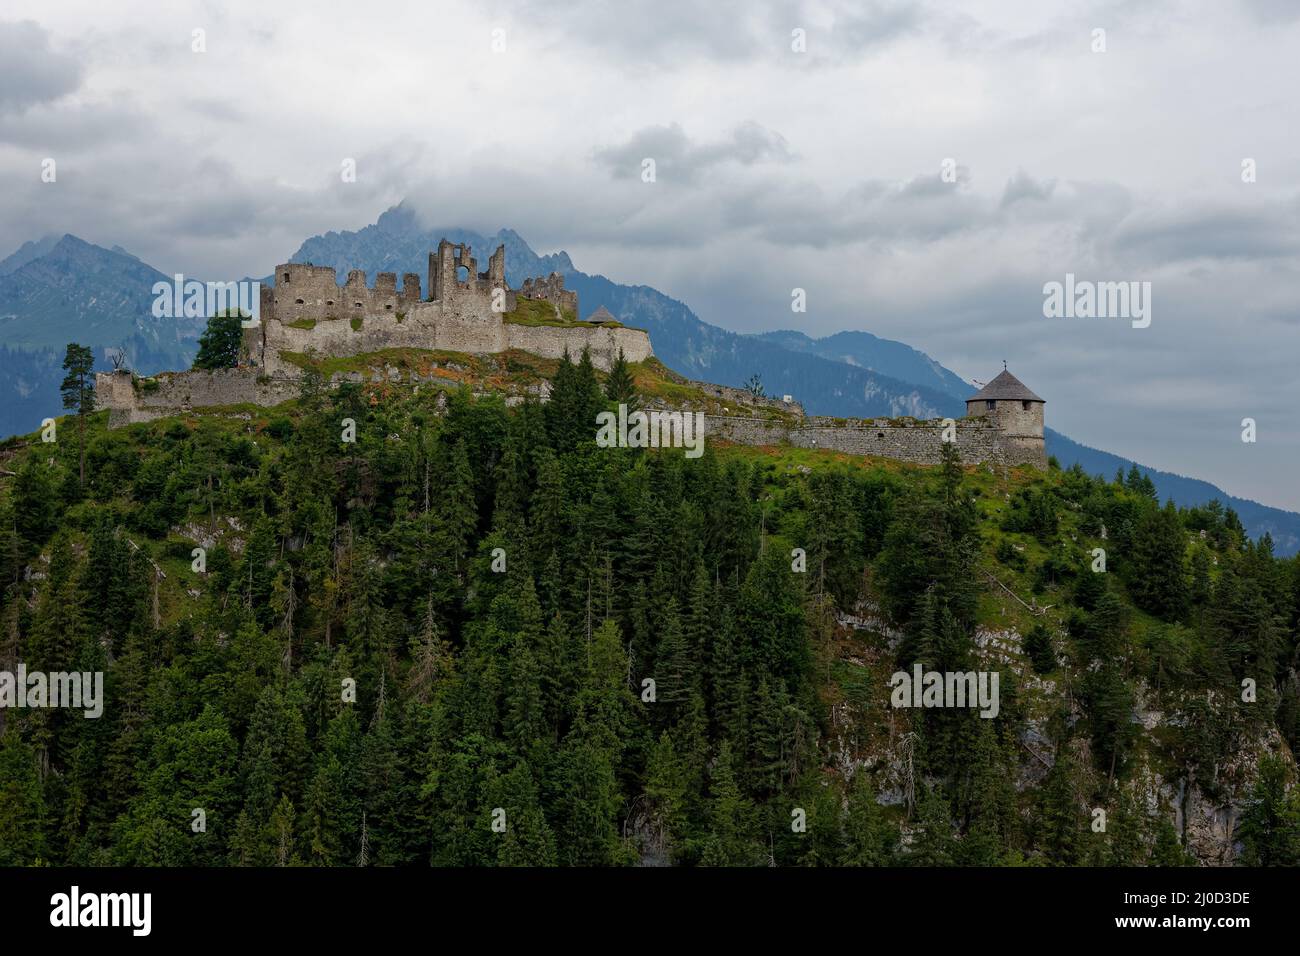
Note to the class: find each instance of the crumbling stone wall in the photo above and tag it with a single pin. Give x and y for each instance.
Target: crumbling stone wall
(462, 325)
(921, 442)
(747, 431)
(552, 290)
(172, 393)
(306, 292)
(603, 344)
(977, 439)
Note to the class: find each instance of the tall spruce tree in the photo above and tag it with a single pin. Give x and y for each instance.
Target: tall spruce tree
(78, 392)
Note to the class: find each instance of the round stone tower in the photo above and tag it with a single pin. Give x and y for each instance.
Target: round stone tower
(1018, 414)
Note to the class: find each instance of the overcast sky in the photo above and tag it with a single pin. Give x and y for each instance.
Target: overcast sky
(775, 169)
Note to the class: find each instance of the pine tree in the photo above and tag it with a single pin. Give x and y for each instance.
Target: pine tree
(869, 839)
(1270, 825)
(457, 511)
(586, 802)
(528, 840)
(1157, 576)
(281, 834)
(78, 391)
(674, 669)
(1038, 647)
(619, 386)
(1060, 823)
(932, 842)
(524, 720)
(730, 841)
(666, 791)
(22, 804)
(1167, 851)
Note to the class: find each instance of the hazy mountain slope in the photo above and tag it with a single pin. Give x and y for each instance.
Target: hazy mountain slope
(76, 291)
(885, 356)
(26, 253)
(707, 352)
(29, 388)
(63, 289)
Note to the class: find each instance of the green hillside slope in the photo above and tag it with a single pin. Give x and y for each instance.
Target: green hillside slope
(472, 637)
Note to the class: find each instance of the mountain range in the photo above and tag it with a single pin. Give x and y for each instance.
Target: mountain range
(61, 289)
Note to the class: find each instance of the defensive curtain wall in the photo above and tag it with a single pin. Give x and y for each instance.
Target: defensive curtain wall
(744, 421)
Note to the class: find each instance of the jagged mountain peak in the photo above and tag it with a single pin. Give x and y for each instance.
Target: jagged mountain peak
(32, 249)
(398, 242)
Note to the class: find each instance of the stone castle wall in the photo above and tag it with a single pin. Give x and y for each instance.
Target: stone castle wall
(551, 288)
(460, 325)
(977, 439)
(602, 343)
(304, 292)
(457, 326)
(175, 393)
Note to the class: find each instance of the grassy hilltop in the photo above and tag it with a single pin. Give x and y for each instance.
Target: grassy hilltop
(395, 643)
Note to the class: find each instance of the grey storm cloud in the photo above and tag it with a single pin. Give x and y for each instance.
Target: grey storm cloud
(1273, 11)
(1022, 187)
(75, 125)
(679, 159)
(870, 24)
(649, 32)
(1258, 232)
(31, 71)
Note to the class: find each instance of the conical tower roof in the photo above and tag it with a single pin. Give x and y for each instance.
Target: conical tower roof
(1006, 387)
(601, 314)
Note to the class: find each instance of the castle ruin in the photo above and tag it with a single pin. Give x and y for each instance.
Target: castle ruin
(306, 314)
(307, 311)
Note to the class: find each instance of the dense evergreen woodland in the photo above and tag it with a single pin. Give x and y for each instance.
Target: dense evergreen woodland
(500, 713)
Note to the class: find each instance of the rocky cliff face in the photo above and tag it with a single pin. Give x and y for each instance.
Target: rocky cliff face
(1204, 813)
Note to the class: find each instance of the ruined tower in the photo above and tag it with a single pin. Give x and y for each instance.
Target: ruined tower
(1017, 412)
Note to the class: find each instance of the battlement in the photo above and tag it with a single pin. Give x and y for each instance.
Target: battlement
(305, 292)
